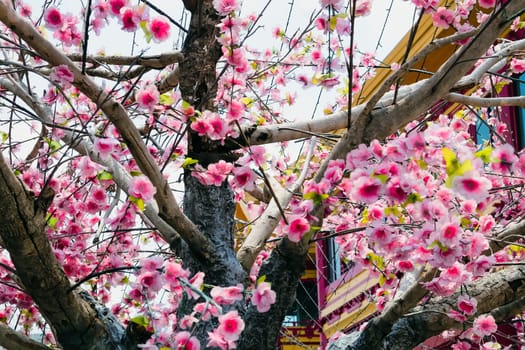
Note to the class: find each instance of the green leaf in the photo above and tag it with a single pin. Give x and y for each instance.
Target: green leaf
(104, 176)
(422, 164)
(135, 173)
(453, 166)
(141, 320)
(412, 198)
(376, 260)
(51, 221)
(441, 246)
(381, 177)
(138, 202)
(364, 216)
(166, 99)
(261, 279)
(188, 162)
(185, 104)
(147, 34)
(247, 101)
(484, 154)
(316, 197)
(53, 145)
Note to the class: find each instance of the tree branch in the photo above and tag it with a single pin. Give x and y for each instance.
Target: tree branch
(154, 61)
(22, 228)
(13, 340)
(85, 147)
(256, 240)
(516, 101)
(168, 208)
(499, 293)
(384, 108)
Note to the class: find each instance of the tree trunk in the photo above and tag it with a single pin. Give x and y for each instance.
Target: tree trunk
(283, 270)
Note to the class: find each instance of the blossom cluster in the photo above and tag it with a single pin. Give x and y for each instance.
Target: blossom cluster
(157, 274)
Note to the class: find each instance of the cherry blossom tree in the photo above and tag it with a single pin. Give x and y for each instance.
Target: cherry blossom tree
(121, 176)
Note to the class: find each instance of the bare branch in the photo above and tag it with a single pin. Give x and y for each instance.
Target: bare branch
(154, 61)
(384, 108)
(517, 101)
(491, 64)
(269, 220)
(362, 119)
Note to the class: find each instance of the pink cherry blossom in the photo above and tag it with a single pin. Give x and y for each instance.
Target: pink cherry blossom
(159, 28)
(227, 295)
(231, 325)
(212, 125)
(443, 17)
(216, 340)
(426, 4)
(363, 7)
(147, 97)
(105, 146)
(224, 7)
(381, 235)
(503, 158)
(236, 58)
(187, 321)
(263, 297)
(219, 127)
(481, 265)
(196, 281)
(484, 325)
(243, 177)
(517, 65)
(87, 168)
(25, 10)
(405, 266)
(62, 76)
(467, 305)
(97, 200)
(153, 263)
(116, 5)
(472, 186)
(235, 111)
(457, 316)
(206, 310)
(101, 9)
(461, 346)
(173, 271)
(297, 229)
(151, 281)
(141, 187)
(336, 4)
(201, 126)
(185, 341)
(478, 244)
(366, 189)
(129, 19)
(53, 18)
(449, 233)
(486, 3)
